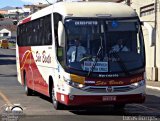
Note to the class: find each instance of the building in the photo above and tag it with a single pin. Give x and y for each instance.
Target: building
(3, 11)
(7, 29)
(17, 13)
(8, 32)
(6, 21)
(149, 11)
(36, 7)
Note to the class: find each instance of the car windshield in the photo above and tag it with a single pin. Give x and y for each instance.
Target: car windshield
(104, 45)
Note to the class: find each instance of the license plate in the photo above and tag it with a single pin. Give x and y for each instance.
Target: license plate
(109, 98)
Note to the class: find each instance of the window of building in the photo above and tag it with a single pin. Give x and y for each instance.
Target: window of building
(147, 10)
(5, 34)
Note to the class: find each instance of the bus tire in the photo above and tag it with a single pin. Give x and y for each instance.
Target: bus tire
(27, 90)
(119, 106)
(56, 104)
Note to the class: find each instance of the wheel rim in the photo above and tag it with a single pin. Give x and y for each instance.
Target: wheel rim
(53, 98)
(25, 85)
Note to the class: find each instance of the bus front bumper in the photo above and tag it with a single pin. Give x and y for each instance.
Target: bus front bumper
(88, 100)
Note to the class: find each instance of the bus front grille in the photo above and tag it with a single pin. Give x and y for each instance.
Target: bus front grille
(107, 90)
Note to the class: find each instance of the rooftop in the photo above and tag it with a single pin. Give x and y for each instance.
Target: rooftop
(8, 27)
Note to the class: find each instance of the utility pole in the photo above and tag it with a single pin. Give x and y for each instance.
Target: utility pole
(128, 2)
(17, 14)
(48, 2)
(155, 44)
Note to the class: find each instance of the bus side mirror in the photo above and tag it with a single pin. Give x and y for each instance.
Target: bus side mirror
(61, 34)
(141, 23)
(150, 32)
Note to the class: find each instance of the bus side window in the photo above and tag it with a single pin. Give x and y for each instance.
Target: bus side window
(59, 50)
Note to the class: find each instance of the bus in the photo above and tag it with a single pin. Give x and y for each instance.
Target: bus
(101, 76)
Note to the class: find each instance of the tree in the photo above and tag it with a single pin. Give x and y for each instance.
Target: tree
(1, 16)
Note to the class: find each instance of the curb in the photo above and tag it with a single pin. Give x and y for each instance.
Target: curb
(155, 88)
(12, 48)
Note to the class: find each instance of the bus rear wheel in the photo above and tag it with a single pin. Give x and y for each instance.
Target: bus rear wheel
(27, 90)
(57, 105)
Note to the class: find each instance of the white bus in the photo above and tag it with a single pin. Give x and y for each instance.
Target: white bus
(102, 75)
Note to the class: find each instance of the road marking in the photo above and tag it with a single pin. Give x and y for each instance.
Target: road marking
(9, 58)
(148, 108)
(151, 87)
(6, 100)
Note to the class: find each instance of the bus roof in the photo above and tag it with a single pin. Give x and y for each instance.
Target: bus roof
(87, 9)
(92, 9)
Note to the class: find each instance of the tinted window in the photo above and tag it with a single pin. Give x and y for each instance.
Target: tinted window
(35, 33)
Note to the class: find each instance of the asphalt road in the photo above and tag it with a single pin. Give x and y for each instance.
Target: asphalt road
(38, 107)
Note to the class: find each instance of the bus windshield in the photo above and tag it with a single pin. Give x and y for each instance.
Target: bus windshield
(96, 45)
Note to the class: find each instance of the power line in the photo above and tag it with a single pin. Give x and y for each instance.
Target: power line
(48, 2)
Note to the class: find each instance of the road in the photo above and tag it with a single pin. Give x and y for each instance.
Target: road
(38, 107)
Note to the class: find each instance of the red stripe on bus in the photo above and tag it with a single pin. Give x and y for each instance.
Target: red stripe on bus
(121, 81)
(89, 100)
(26, 20)
(35, 79)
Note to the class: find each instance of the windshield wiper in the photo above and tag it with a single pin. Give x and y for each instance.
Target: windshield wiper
(120, 63)
(97, 56)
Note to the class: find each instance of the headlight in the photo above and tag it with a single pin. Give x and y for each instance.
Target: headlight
(74, 84)
(138, 84)
(135, 84)
(77, 85)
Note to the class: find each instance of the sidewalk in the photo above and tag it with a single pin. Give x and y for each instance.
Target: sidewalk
(12, 48)
(153, 85)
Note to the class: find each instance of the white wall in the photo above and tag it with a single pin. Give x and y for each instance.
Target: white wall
(22, 10)
(5, 31)
(150, 51)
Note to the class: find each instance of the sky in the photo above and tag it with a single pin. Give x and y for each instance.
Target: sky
(20, 3)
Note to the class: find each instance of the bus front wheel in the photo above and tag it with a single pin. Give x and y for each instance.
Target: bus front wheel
(27, 90)
(57, 105)
(119, 106)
